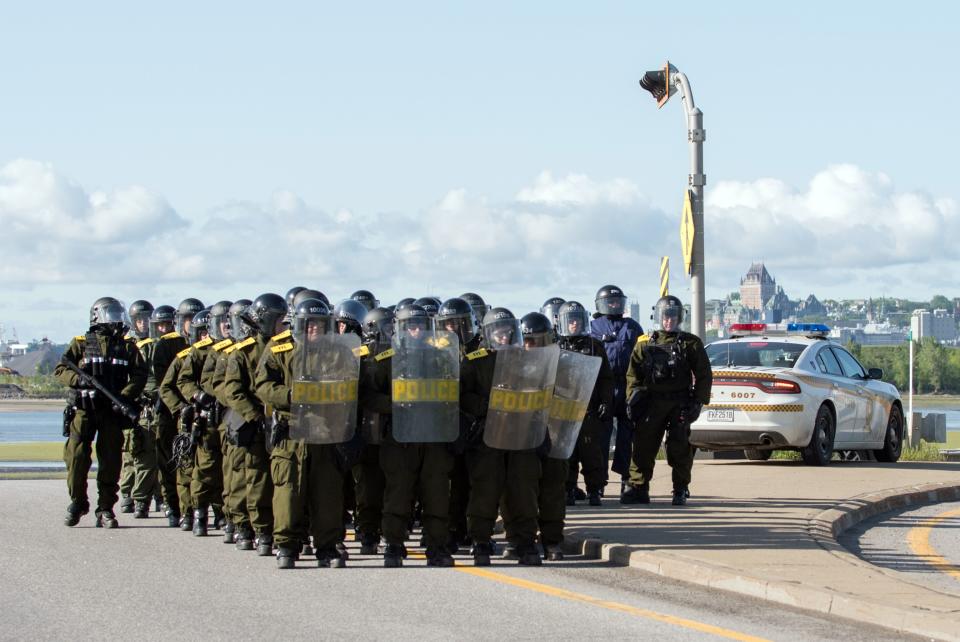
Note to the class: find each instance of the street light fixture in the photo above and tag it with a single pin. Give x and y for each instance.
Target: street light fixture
(663, 83)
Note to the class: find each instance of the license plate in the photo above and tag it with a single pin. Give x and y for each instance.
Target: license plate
(720, 415)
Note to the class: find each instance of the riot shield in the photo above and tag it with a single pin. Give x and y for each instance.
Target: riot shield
(520, 397)
(576, 376)
(323, 398)
(371, 427)
(426, 388)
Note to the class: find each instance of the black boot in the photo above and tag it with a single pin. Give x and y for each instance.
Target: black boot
(140, 510)
(106, 519)
(200, 517)
(594, 497)
(553, 552)
(244, 538)
(393, 556)
(572, 497)
(481, 552)
(636, 495)
(330, 558)
(529, 555)
(680, 496)
(173, 518)
(286, 557)
(74, 512)
(579, 494)
(228, 533)
(264, 544)
(126, 504)
(369, 544)
(158, 504)
(218, 518)
(186, 522)
(510, 551)
(438, 556)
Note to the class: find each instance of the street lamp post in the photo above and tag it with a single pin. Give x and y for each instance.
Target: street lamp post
(662, 84)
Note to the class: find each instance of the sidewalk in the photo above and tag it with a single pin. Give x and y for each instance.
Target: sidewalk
(767, 529)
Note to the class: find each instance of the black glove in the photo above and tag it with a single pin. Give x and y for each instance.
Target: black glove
(636, 406)
(203, 400)
(187, 416)
(603, 412)
(690, 412)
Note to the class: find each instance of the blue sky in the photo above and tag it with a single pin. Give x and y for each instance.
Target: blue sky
(391, 132)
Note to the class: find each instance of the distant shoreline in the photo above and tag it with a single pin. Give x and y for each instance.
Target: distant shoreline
(31, 405)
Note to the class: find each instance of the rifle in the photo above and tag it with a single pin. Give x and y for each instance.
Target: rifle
(126, 409)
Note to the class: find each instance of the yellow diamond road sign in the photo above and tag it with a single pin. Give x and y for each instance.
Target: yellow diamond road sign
(686, 232)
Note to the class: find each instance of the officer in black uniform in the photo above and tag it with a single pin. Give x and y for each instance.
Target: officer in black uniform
(668, 381)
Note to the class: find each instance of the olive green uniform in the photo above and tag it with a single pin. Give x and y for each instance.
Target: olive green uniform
(102, 423)
(176, 403)
(493, 470)
(307, 478)
(669, 370)
(164, 426)
(234, 469)
(238, 391)
(206, 483)
(142, 444)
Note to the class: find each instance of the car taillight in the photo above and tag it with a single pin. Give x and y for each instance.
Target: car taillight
(780, 386)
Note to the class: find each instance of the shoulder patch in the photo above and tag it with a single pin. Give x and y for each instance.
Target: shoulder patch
(249, 341)
(282, 335)
(477, 354)
(203, 343)
(80, 337)
(281, 347)
(362, 351)
(183, 353)
(643, 338)
(144, 342)
(386, 354)
(220, 345)
(171, 335)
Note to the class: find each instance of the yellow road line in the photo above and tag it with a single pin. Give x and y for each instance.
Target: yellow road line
(919, 540)
(546, 589)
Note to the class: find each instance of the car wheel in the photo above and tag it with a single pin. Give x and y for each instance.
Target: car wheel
(757, 455)
(893, 439)
(820, 448)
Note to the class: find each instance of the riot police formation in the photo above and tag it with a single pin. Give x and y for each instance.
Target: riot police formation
(283, 421)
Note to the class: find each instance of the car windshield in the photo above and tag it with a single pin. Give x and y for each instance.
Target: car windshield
(768, 354)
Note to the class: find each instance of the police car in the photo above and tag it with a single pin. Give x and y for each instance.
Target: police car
(787, 387)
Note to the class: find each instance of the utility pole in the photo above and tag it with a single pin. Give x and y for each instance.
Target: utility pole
(662, 84)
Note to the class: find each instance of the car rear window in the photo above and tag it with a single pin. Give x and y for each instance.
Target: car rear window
(769, 354)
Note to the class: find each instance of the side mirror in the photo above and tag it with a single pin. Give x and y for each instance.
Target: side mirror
(875, 373)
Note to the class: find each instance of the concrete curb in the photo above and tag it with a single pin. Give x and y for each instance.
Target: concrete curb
(823, 528)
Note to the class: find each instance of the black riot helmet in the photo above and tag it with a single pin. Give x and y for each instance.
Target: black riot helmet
(264, 313)
(139, 312)
(537, 330)
(413, 323)
(402, 303)
(480, 308)
(573, 320)
(501, 330)
(161, 320)
(200, 325)
(378, 327)
(429, 303)
(311, 319)
(668, 307)
(185, 311)
(307, 293)
(551, 307)
(109, 314)
(457, 316)
(611, 301)
(350, 313)
(366, 298)
(220, 320)
(291, 293)
(239, 328)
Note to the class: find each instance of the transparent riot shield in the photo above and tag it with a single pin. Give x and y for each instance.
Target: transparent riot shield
(520, 397)
(426, 388)
(323, 398)
(371, 427)
(576, 376)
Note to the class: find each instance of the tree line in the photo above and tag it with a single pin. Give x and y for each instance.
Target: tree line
(936, 368)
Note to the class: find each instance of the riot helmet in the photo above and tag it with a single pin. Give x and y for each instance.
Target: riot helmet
(413, 323)
(161, 321)
(109, 314)
(480, 308)
(185, 311)
(537, 330)
(456, 315)
(430, 304)
(239, 328)
(551, 307)
(378, 326)
(200, 326)
(402, 303)
(307, 293)
(265, 314)
(366, 298)
(501, 330)
(140, 311)
(348, 316)
(668, 311)
(220, 320)
(292, 293)
(311, 319)
(573, 320)
(610, 301)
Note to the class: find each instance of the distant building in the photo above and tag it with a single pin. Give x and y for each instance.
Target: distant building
(939, 325)
(757, 287)
(871, 334)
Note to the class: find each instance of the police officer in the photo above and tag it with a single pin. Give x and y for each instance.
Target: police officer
(348, 319)
(619, 335)
(480, 307)
(366, 298)
(550, 309)
(573, 321)
(668, 381)
(139, 313)
(104, 354)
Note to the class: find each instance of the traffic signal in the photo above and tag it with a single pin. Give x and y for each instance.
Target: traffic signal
(658, 84)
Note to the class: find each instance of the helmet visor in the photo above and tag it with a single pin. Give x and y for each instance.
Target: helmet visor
(573, 323)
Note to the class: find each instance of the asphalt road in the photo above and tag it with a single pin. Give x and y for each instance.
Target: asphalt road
(148, 581)
(921, 544)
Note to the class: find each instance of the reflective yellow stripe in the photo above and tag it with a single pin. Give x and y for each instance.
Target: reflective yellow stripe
(226, 343)
(787, 407)
(203, 343)
(143, 342)
(183, 353)
(744, 375)
(171, 335)
(282, 335)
